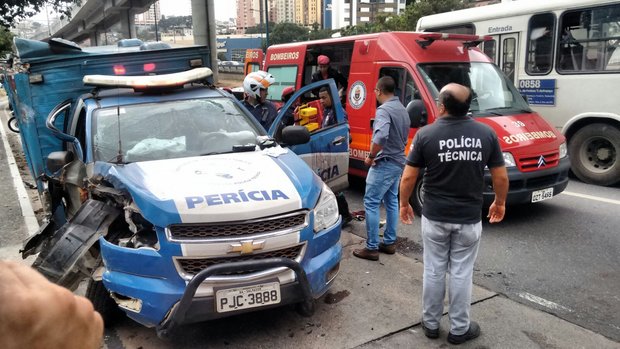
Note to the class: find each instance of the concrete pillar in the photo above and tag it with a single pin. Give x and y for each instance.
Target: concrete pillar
(203, 19)
(94, 38)
(128, 24)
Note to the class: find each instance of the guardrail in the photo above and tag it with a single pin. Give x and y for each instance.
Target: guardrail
(233, 69)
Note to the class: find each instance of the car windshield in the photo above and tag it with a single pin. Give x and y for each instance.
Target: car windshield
(493, 93)
(172, 129)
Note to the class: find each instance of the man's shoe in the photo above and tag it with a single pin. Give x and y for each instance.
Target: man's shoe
(372, 255)
(432, 334)
(472, 332)
(387, 249)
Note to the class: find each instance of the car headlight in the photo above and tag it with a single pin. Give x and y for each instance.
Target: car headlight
(563, 150)
(509, 160)
(326, 210)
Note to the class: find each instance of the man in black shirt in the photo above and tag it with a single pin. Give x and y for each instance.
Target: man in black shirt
(454, 150)
(326, 72)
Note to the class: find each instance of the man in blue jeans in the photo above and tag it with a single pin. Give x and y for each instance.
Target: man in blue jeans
(386, 160)
(454, 150)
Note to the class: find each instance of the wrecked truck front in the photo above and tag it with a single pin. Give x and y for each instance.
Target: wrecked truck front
(219, 210)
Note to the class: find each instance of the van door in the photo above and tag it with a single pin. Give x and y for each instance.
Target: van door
(327, 153)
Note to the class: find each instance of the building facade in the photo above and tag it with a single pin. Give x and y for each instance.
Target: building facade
(354, 12)
(149, 16)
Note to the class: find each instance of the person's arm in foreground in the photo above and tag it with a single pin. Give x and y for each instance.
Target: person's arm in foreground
(499, 176)
(407, 183)
(35, 313)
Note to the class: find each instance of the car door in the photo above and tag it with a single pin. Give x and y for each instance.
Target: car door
(327, 153)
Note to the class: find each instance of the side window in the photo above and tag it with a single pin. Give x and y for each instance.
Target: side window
(285, 76)
(540, 44)
(405, 89)
(80, 130)
(589, 40)
(489, 48)
(461, 29)
(508, 61)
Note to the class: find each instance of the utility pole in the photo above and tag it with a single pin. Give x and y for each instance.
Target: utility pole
(155, 16)
(267, 23)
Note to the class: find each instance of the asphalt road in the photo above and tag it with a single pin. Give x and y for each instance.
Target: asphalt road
(561, 256)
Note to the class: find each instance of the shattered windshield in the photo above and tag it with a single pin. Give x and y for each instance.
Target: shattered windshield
(493, 94)
(173, 129)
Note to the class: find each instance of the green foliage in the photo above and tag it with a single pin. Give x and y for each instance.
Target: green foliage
(259, 30)
(11, 12)
(167, 23)
(287, 32)
(407, 20)
(221, 56)
(6, 41)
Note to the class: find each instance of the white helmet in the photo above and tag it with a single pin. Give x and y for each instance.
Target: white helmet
(255, 81)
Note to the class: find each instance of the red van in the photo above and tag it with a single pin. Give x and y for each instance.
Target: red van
(421, 64)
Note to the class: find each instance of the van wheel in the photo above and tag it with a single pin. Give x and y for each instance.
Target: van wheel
(595, 154)
(103, 303)
(417, 198)
(305, 309)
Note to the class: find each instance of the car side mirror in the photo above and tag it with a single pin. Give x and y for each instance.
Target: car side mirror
(417, 113)
(56, 160)
(293, 135)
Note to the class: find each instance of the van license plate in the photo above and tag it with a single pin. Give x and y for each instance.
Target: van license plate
(232, 299)
(543, 194)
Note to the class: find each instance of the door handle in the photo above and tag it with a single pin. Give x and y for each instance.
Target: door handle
(338, 140)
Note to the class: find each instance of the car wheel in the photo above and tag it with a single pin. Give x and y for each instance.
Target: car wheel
(595, 154)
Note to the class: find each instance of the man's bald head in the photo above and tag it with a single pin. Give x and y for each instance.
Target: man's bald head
(455, 98)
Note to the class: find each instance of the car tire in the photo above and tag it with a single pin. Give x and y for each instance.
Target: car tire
(305, 309)
(13, 125)
(595, 154)
(103, 303)
(416, 200)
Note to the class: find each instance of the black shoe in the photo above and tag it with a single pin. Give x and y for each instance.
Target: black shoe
(432, 334)
(472, 332)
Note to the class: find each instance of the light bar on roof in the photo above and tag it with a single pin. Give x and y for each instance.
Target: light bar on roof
(149, 81)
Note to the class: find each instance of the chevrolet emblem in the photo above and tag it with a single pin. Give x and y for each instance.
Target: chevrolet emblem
(246, 247)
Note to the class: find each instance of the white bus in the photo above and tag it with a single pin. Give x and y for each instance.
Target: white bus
(564, 56)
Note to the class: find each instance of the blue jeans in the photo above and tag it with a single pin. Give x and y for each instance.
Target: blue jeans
(454, 247)
(382, 185)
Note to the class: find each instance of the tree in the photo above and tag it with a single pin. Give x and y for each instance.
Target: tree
(11, 12)
(283, 33)
(6, 39)
(259, 30)
(407, 20)
(317, 33)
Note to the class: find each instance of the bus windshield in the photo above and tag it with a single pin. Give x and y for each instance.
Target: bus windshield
(493, 93)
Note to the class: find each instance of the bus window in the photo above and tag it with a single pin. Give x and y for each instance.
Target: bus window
(489, 47)
(285, 77)
(459, 29)
(508, 61)
(540, 44)
(589, 39)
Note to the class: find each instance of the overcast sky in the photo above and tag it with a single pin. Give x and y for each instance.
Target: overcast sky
(224, 9)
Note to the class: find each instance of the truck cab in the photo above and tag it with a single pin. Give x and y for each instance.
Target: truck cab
(174, 203)
(421, 64)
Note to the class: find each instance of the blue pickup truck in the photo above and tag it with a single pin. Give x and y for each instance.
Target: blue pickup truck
(165, 194)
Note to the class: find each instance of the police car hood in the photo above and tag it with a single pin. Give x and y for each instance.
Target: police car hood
(226, 187)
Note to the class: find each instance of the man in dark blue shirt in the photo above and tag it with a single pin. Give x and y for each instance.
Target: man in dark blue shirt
(454, 151)
(255, 86)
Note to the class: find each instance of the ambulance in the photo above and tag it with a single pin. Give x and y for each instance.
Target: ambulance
(421, 64)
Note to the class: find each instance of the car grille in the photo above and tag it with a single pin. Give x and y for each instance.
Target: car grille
(532, 163)
(236, 229)
(192, 266)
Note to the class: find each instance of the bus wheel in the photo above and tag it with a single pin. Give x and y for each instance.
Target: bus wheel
(595, 154)
(417, 198)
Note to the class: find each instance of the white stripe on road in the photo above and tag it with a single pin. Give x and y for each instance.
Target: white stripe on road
(590, 197)
(541, 301)
(32, 225)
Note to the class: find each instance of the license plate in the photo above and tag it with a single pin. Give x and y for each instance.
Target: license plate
(238, 298)
(543, 194)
